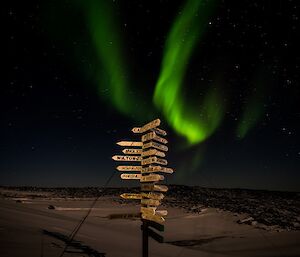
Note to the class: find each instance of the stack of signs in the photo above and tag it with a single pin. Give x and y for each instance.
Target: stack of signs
(148, 156)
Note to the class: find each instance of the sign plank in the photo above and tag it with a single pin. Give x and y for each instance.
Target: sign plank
(132, 151)
(155, 236)
(148, 210)
(153, 187)
(129, 168)
(153, 152)
(152, 135)
(154, 159)
(130, 176)
(151, 178)
(146, 127)
(130, 143)
(131, 196)
(155, 225)
(158, 146)
(152, 195)
(150, 202)
(155, 218)
(127, 158)
(162, 212)
(157, 169)
(159, 131)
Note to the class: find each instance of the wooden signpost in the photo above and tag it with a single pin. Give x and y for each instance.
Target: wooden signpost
(149, 153)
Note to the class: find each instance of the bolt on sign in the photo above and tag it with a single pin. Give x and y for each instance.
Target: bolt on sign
(148, 154)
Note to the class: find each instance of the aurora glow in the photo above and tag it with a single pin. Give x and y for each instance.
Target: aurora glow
(194, 123)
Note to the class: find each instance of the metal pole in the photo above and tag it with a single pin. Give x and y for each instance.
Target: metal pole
(145, 238)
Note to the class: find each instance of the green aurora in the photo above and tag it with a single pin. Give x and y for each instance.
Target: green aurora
(195, 124)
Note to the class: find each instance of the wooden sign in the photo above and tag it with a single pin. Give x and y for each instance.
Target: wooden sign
(153, 187)
(132, 151)
(155, 236)
(127, 158)
(148, 210)
(155, 218)
(148, 126)
(151, 169)
(131, 196)
(130, 176)
(162, 212)
(152, 135)
(155, 225)
(154, 159)
(158, 146)
(153, 152)
(152, 195)
(130, 143)
(151, 178)
(151, 202)
(129, 168)
(159, 131)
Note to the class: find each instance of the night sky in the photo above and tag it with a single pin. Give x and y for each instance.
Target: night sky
(223, 76)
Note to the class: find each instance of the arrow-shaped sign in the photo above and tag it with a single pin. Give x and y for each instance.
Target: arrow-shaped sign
(151, 169)
(131, 176)
(153, 187)
(159, 131)
(155, 218)
(158, 146)
(131, 196)
(152, 195)
(130, 143)
(129, 168)
(152, 135)
(154, 159)
(152, 178)
(127, 158)
(150, 202)
(132, 151)
(150, 125)
(148, 210)
(153, 152)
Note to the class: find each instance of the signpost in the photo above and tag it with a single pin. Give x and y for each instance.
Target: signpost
(149, 153)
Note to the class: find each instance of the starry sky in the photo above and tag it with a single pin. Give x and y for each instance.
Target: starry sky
(223, 77)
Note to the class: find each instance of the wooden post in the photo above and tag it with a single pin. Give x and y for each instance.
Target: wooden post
(145, 248)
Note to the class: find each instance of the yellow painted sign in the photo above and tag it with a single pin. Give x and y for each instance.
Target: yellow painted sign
(153, 152)
(150, 202)
(127, 158)
(155, 218)
(157, 169)
(130, 176)
(131, 196)
(132, 151)
(152, 178)
(130, 143)
(148, 210)
(158, 146)
(148, 126)
(154, 159)
(129, 168)
(153, 187)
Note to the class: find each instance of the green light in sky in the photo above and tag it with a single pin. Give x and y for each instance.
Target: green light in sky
(194, 123)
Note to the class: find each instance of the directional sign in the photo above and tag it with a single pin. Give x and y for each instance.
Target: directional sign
(155, 196)
(148, 126)
(158, 146)
(153, 152)
(151, 169)
(132, 151)
(152, 135)
(131, 196)
(159, 131)
(162, 212)
(127, 158)
(155, 236)
(151, 202)
(155, 218)
(130, 176)
(153, 187)
(155, 225)
(129, 168)
(151, 178)
(154, 159)
(130, 143)
(148, 210)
